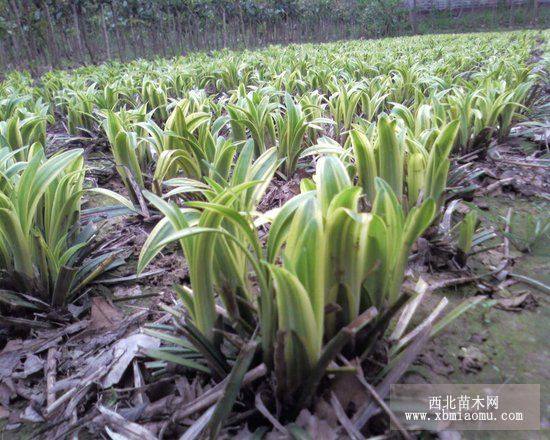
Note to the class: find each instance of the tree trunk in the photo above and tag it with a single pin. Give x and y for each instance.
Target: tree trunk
(81, 34)
(179, 31)
(15, 11)
(412, 17)
(77, 30)
(31, 33)
(66, 43)
(88, 47)
(134, 40)
(224, 28)
(243, 30)
(105, 33)
(117, 33)
(535, 20)
(52, 40)
(176, 46)
(16, 49)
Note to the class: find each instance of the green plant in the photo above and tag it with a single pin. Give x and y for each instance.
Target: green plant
(79, 107)
(44, 251)
(25, 128)
(392, 155)
(462, 108)
(291, 129)
(154, 96)
(529, 229)
(525, 229)
(466, 232)
(372, 104)
(360, 264)
(129, 156)
(190, 145)
(343, 105)
(255, 113)
(231, 75)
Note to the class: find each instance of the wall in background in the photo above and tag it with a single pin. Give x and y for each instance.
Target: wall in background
(426, 5)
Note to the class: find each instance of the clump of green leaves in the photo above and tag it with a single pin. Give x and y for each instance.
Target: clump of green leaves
(291, 127)
(407, 166)
(25, 128)
(530, 229)
(321, 252)
(44, 251)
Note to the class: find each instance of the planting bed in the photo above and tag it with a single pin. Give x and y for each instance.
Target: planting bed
(256, 244)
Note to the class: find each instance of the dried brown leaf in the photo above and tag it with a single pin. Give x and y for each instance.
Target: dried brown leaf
(104, 314)
(124, 351)
(517, 303)
(4, 413)
(315, 427)
(472, 359)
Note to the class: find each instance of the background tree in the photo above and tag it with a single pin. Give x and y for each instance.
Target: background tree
(39, 34)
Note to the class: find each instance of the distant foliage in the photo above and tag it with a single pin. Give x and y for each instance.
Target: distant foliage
(62, 33)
